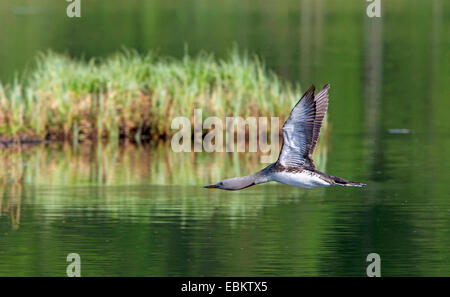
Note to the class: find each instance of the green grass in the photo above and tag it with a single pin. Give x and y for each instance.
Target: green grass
(132, 95)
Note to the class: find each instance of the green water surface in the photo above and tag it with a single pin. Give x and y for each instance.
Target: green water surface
(141, 210)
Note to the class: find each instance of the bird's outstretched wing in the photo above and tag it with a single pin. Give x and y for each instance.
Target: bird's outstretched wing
(302, 128)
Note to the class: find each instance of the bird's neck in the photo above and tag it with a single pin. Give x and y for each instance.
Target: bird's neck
(239, 183)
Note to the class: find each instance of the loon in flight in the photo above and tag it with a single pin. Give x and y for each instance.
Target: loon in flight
(295, 166)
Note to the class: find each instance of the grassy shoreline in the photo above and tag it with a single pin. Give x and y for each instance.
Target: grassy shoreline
(128, 95)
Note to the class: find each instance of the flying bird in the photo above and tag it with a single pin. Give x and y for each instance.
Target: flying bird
(295, 166)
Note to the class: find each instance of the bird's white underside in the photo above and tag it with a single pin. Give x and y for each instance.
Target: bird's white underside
(303, 179)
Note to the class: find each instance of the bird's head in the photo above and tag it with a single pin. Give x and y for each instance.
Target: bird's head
(231, 184)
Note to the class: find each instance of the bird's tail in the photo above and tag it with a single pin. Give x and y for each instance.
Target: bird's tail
(342, 182)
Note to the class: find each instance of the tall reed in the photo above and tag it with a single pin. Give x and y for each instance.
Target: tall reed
(133, 95)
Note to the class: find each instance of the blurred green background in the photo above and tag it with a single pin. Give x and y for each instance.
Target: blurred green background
(140, 210)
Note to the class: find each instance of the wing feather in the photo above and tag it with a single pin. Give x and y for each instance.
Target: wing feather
(321, 101)
(301, 130)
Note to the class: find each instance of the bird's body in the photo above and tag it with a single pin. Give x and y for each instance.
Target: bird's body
(295, 166)
(302, 179)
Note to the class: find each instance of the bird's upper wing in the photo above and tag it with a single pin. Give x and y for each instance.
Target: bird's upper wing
(302, 128)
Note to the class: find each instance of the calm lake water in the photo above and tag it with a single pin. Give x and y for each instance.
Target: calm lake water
(141, 210)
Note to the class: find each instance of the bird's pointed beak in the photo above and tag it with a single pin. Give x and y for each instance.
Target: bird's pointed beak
(211, 186)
